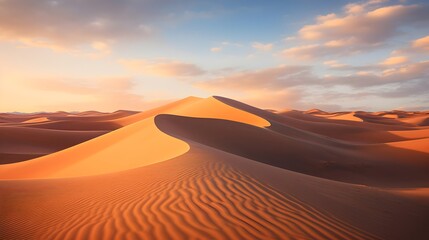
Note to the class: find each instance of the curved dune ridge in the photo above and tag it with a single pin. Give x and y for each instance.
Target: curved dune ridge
(200, 108)
(216, 168)
(95, 156)
(102, 155)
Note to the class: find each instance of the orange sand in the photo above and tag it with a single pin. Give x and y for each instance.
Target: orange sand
(214, 168)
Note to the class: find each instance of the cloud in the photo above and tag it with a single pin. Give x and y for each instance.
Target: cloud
(386, 64)
(311, 51)
(395, 74)
(412, 89)
(395, 60)
(269, 78)
(358, 8)
(334, 64)
(70, 24)
(384, 23)
(421, 44)
(414, 47)
(361, 27)
(262, 46)
(284, 78)
(162, 67)
(298, 87)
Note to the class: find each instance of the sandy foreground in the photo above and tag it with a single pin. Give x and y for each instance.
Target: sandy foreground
(214, 168)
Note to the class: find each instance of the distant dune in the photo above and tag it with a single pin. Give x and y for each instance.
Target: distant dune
(214, 168)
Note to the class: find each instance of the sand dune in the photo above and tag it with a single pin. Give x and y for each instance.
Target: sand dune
(28, 136)
(200, 108)
(361, 164)
(352, 116)
(37, 120)
(216, 168)
(193, 197)
(412, 134)
(107, 153)
(419, 145)
(19, 117)
(19, 143)
(90, 120)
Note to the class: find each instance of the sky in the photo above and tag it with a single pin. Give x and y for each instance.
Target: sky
(106, 55)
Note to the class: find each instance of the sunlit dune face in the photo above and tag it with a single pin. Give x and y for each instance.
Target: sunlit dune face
(347, 117)
(213, 108)
(93, 157)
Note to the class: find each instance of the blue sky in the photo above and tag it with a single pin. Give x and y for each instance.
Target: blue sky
(109, 55)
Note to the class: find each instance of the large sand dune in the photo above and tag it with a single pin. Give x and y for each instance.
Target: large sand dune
(215, 168)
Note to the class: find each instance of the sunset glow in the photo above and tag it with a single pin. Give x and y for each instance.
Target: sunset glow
(110, 55)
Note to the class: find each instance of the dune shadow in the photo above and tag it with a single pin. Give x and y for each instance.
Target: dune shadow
(375, 165)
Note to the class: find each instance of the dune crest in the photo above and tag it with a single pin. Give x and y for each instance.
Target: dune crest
(200, 108)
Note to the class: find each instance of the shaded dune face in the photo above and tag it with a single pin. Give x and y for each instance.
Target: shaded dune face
(75, 125)
(21, 143)
(216, 168)
(361, 164)
(28, 136)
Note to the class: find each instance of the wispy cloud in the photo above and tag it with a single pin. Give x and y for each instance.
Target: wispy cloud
(395, 77)
(269, 78)
(162, 67)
